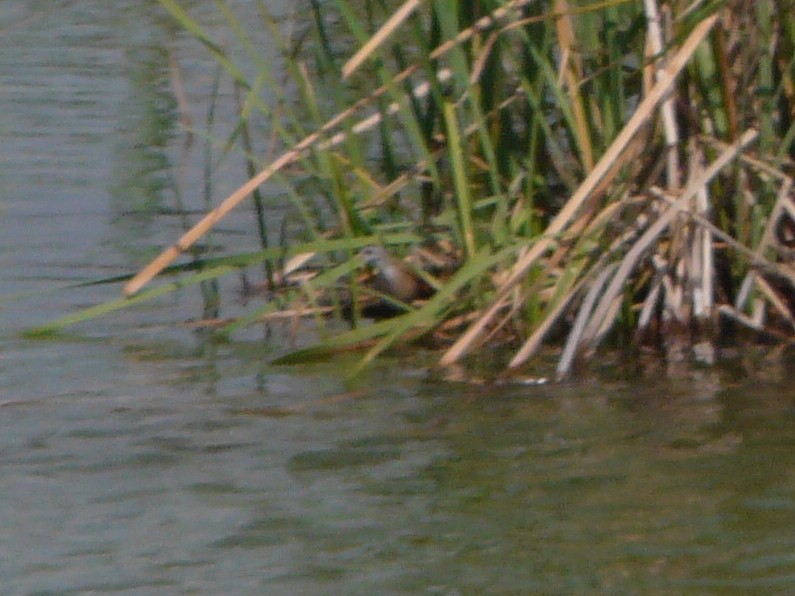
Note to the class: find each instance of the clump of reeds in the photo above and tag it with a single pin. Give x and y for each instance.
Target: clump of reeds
(616, 170)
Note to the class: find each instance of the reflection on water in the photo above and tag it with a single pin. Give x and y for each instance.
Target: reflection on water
(136, 456)
(402, 488)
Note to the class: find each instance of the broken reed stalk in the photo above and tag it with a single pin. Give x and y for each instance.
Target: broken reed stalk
(643, 113)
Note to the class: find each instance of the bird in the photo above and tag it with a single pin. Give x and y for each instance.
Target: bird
(393, 277)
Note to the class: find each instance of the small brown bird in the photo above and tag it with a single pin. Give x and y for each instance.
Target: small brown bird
(393, 276)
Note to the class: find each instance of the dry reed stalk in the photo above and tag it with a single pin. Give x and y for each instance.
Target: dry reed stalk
(571, 71)
(754, 162)
(151, 270)
(214, 216)
(578, 331)
(775, 300)
(734, 314)
(386, 30)
(208, 221)
(517, 300)
(704, 259)
(782, 200)
(421, 90)
(657, 45)
(570, 209)
(649, 304)
(603, 315)
(533, 343)
(729, 311)
(680, 204)
(697, 261)
(756, 260)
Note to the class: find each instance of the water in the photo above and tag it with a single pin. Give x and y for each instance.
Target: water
(137, 457)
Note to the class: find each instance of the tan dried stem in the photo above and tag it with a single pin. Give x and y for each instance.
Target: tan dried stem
(570, 210)
(680, 204)
(571, 71)
(657, 44)
(386, 30)
(605, 312)
(168, 256)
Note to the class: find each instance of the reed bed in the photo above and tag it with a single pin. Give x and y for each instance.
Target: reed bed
(613, 172)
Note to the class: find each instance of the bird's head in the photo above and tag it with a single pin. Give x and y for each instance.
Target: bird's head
(374, 256)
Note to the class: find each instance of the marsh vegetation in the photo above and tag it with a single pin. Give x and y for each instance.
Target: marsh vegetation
(580, 174)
